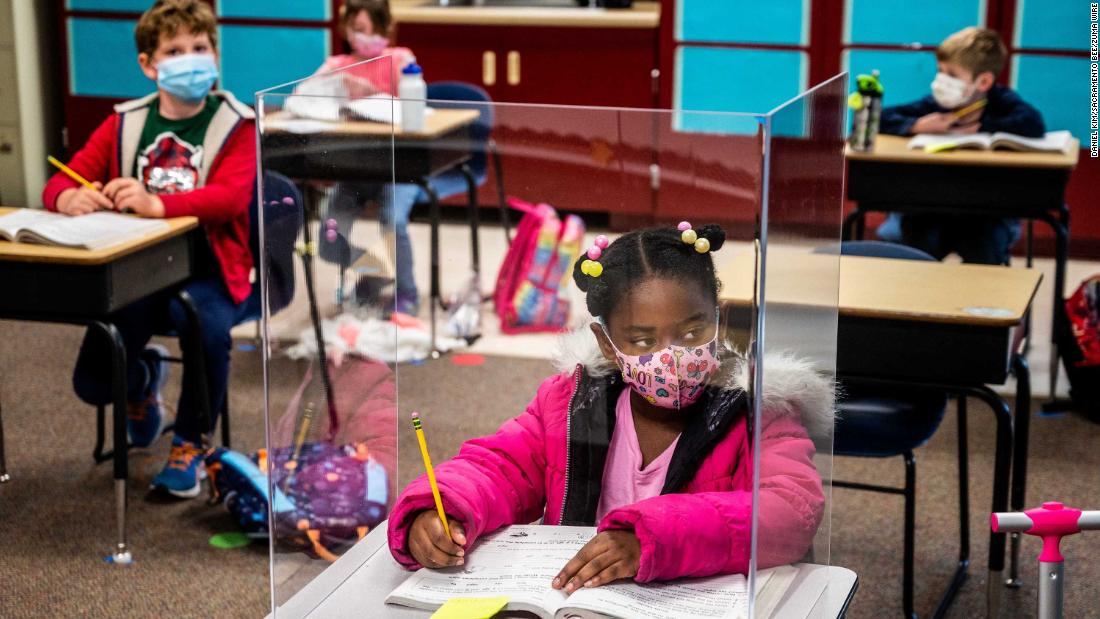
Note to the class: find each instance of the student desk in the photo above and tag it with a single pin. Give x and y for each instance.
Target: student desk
(954, 327)
(75, 286)
(360, 151)
(997, 183)
(357, 584)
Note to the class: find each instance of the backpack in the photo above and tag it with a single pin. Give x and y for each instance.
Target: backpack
(329, 474)
(530, 290)
(1079, 345)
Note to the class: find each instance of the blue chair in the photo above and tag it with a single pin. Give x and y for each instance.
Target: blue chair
(883, 421)
(282, 207)
(472, 174)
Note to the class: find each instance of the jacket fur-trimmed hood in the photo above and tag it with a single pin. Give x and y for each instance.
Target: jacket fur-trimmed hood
(791, 384)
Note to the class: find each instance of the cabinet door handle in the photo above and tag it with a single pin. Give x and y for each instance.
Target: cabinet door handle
(489, 68)
(513, 68)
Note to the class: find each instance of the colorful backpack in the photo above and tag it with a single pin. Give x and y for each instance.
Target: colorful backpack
(531, 288)
(1079, 345)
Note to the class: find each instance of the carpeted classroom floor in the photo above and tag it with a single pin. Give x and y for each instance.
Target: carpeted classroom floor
(57, 522)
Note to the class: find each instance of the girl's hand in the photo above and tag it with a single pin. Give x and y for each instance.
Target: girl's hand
(130, 194)
(429, 544)
(81, 200)
(609, 556)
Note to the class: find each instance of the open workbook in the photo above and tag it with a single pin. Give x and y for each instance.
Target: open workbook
(520, 561)
(92, 231)
(1053, 141)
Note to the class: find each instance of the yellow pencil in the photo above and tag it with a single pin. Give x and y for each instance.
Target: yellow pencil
(431, 472)
(70, 172)
(973, 107)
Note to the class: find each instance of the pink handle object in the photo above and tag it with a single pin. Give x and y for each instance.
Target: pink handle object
(1051, 522)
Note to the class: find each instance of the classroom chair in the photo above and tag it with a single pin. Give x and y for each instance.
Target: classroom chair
(884, 421)
(473, 174)
(282, 208)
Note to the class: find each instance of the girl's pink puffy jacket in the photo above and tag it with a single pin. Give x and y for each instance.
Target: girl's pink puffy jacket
(548, 463)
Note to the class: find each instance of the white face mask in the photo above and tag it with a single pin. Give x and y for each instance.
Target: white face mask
(951, 92)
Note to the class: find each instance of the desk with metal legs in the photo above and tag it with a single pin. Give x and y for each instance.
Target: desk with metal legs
(1031, 186)
(53, 284)
(363, 151)
(952, 327)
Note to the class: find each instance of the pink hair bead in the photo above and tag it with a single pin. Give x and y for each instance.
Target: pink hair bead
(595, 252)
(602, 242)
(330, 223)
(331, 236)
(684, 225)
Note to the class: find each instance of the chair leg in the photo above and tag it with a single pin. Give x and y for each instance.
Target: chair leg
(964, 487)
(501, 196)
(960, 574)
(910, 532)
(3, 462)
(472, 217)
(225, 420)
(100, 432)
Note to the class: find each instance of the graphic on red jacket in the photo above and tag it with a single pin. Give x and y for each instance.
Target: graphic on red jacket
(169, 165)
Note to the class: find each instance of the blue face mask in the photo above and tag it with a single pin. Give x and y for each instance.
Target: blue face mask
(188, 77)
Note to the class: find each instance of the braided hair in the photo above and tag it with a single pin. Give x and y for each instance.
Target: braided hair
(644, 254)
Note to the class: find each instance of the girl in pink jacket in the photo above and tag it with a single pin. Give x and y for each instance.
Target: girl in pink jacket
(646, 434)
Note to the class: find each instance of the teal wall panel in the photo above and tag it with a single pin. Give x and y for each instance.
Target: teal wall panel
(276, 9)
(909, 21)
(735, 80)
(121, 6)
(743, 21)
(1059, 87)
(1052, 24)
(906, 76)
(103, 59)
(258, 57)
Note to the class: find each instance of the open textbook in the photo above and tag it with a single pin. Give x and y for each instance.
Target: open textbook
(1053, 141)
(520, 561)
(92, 231)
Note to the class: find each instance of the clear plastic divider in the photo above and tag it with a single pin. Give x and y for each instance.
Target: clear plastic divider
(503, 345)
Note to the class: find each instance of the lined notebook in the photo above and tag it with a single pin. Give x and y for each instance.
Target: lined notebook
(520, 561)
(92, 231)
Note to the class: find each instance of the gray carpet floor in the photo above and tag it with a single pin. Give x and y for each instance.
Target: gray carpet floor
(56, 516)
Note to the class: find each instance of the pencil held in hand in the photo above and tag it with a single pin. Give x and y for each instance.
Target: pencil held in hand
(973, 107)
(431, 473)
(71, 173)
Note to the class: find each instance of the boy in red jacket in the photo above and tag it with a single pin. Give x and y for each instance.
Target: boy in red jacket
(182, 150)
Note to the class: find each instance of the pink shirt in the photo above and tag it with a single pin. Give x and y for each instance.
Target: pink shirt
(625, 482)
(379, 76)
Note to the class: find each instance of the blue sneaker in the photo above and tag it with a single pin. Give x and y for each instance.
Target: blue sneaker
(182, 475)
(146, 419)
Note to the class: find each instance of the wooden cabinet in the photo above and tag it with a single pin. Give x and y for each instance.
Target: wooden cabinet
(611, 67)
(541, 64)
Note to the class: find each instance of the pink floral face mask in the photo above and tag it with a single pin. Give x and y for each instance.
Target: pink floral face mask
(673, 377)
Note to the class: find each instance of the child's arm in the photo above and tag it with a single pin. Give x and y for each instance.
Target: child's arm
(93, 162)
(708, 533)
(899, 119)
(493, 481)
(232, 179)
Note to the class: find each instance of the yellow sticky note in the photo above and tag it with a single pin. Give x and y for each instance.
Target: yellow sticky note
(471, 608)
(938, 148)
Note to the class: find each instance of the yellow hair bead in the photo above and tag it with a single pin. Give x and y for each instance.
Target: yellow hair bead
(586, 266)
(702, 246)
(688, 236)
(596, 269)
